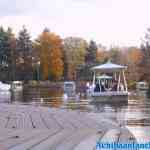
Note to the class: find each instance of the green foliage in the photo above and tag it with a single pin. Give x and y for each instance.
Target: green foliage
(74, 54)
(91, 53)
(84, 73)
(24, 59)
(19, 60)
(7, 41)
(131, 84)
(114, 55)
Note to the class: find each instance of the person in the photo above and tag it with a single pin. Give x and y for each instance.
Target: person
(65, 97)
(77, 97)
(103, 87)
(97, 88)
(114, 87)
(87, 85)
(121, 87)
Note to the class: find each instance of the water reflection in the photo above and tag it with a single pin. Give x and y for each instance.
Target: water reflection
(5, 96)
(38, 95)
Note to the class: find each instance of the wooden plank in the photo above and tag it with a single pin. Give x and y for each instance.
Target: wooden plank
(89, 143)
(50, 121)
(72, 119)
(70, 142)
(111, 136)
(53, 141)
(63, 122)
(37, 121)
(27, 124)
(18, 137)
(15, 121)
(3, 120)
(29, 127)
(126, 136)
(85, 120)
(34, 141)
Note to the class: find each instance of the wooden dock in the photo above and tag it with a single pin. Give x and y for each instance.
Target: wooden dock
(26, 127)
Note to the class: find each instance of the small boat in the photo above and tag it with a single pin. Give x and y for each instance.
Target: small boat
(142, 88)
(4, 86)
(17, 86)
(109, 83)
(70, 88)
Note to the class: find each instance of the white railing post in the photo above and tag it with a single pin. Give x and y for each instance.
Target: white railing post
(125, 82)
(118, 83)
(93, 81)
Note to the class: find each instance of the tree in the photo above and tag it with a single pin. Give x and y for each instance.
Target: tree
(114, 54)
(74, 54)
(91, 53)
(24, 50)
(13, 55)
(102, 56)
(145, 62)
(133, 58)
(50, 50)
(6, 51)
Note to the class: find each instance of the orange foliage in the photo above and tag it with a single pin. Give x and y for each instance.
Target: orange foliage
(50, 46)
(102, 55)
(135, 55)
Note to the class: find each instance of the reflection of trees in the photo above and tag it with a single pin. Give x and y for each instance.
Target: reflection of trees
(102, 107)
(48, 94)
(56, 103)
(54, 97)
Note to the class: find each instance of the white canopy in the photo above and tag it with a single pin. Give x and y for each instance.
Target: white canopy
(109, 67)
(103, 77)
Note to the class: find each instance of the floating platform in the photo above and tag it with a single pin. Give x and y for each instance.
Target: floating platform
(25, 127)
(110, 96)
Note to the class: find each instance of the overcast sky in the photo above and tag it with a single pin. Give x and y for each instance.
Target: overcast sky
(109, 22)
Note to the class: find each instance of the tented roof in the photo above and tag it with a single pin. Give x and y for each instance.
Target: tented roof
(109, 67)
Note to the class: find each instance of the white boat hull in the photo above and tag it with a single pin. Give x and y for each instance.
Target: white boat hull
(4, 87)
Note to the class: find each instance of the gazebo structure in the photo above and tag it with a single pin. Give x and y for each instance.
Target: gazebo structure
(109, 83)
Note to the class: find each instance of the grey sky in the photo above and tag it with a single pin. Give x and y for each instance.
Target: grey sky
(109, 22)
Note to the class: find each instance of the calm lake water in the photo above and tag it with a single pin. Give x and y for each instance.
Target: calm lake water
(135, 114)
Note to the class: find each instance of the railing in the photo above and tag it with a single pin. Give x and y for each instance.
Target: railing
(110, 93)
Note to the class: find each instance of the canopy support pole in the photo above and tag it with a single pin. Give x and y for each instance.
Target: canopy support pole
(115, 76)
(93, 80)
(118, 83)
(125, 82)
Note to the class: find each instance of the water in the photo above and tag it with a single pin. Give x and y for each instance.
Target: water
(135, 114)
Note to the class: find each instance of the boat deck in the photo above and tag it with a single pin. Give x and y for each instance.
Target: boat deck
(25, 127)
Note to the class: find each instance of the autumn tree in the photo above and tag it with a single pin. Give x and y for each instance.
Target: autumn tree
(133, 58)
(74, 54)
(145, 62)
(50, 50)
(102, 55)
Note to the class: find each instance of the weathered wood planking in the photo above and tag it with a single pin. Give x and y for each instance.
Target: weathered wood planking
(42, 128)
